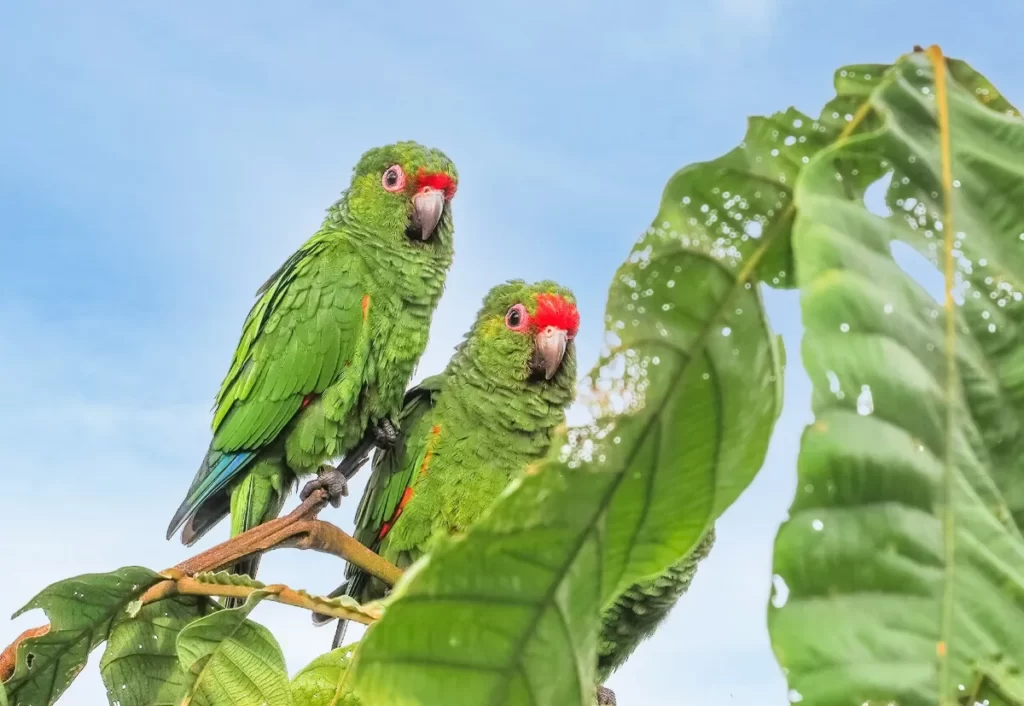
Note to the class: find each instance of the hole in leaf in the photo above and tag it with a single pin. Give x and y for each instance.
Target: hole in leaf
(874, 196)
(920, 269)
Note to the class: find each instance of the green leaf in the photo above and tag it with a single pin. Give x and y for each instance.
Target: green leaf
(987, 286)
(232, 661)
(324, 681)
(140, 664)
(80, 611)
(739, 196)
(686, 398)
(226, 578)
(900, 572)
(372, 610)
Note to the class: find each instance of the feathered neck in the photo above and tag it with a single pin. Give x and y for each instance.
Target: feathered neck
(499, 405)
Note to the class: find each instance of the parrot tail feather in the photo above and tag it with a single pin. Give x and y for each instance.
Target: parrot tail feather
(257, 498)
(216, 471)
(339, 634)
(319, 619)
(355, 587)
(348, 588)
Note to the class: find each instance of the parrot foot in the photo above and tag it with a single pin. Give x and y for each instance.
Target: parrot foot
(605, 696)
(330, 479)
(385, 433)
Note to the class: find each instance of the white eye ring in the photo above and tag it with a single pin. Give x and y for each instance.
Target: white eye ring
(517, 319)
(393, 179)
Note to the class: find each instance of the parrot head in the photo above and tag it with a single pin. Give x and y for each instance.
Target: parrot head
(404, 191)
(524, 334)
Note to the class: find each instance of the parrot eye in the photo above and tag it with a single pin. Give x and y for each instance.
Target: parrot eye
(393, 179)
(516, 318)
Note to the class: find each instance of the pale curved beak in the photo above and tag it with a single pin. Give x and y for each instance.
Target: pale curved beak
(427, 207)
(549, 350)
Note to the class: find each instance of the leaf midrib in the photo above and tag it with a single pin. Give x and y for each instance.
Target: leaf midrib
(501, 690)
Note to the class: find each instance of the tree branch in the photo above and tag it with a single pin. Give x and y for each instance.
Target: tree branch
(279, 593)
(299, 529)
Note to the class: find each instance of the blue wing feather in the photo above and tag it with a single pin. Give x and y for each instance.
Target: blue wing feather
(218, 469)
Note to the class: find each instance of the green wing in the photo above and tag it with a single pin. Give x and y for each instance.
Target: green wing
(298, 338)
(393, 469)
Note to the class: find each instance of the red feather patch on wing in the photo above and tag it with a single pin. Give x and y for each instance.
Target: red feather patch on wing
(386, 527)
(409, 492)
(553, 310)
(436, 180)
(434, 431)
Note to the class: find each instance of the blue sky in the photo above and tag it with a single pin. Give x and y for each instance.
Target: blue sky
(158, 164)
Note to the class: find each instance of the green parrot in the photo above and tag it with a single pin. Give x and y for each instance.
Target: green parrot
(470, 430)
(636, 614)
(330, 345)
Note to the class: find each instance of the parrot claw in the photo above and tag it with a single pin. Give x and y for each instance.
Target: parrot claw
(605, 696)
(330, 479)
(385, 433)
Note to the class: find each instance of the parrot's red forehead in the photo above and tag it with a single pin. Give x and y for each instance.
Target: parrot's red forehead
(554, 310)
(436, 180)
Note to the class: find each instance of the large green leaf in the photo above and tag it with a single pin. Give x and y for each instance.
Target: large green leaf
(324, 681)
(80, 611)
(686, 397)
(232, 661)
(140, 664)
(987, 280)
(900, 572)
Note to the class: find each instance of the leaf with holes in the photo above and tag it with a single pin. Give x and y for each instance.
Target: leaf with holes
(726, 206)
(324, 681)
(81, 611)
(686, 399)
(140, 664)
(900, 572)
(232, 661)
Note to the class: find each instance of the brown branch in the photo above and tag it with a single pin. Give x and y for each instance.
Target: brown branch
(299, 529)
